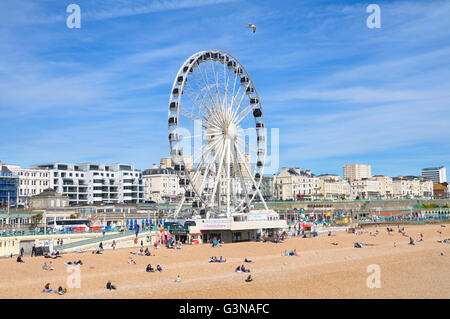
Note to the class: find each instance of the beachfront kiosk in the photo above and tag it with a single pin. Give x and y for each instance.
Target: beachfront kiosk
(240, 227)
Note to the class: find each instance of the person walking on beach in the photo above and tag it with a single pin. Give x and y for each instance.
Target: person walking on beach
(33, 251)
(21, 251)
(113, 245)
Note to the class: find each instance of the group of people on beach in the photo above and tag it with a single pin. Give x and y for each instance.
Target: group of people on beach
(59, 291)
(151, 269)
(217, 260)
(142, 252)
(241, 269)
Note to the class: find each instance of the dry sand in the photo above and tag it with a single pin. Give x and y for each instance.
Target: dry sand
(322, 271)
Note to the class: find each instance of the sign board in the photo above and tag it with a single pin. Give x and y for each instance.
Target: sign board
(207, 224)
(256, 217)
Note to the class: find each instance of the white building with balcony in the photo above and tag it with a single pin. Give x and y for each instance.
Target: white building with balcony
(90, 183)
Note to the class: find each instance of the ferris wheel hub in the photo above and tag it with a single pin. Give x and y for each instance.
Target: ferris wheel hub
(232, 131)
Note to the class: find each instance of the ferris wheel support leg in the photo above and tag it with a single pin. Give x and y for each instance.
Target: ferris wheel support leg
(254, 183)
(179, 207)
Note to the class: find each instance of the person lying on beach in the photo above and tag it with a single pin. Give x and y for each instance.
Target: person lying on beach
(212, 259)
(335, 244)
(249, 278)
(139, 253)
(75, 263)
(149, 268)
(19, 259)
(131, 261)
(159, 268)
(247, 260)
(358, 245)
(110, 286)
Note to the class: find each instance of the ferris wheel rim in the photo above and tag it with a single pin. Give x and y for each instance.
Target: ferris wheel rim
(190, 63)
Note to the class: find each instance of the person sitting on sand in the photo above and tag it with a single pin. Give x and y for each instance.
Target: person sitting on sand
(47, 288)
(238, 269)
(131, 261)
(61, 290)
(178, 279)
(411, 241)
(149, 268)
(19, 259)
(44, 266)
(243, 269)
(221, 260)
(247, 260)
(249, 278)
(110, 286)
(158, 268)
(50, 266)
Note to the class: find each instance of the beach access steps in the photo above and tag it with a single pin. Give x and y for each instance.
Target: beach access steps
(94, 240)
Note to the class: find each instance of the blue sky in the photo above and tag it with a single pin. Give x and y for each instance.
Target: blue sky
(339, 92)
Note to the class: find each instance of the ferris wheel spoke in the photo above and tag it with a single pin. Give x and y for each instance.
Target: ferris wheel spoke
(219, 100)
(251, 177)
(207, 87)
(201, 93)
(243, 114)
(241, 176)
(190, 115)
(240, 102)
(218, 175)
(194, 102)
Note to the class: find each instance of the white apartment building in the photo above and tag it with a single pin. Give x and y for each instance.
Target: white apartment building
(412, 187)
(332, 187)
(366, 189)
(31, 182)
(90, 183)
(387, 191)
(294, 184)
(356, 171)
(437, 175)
(161, 184)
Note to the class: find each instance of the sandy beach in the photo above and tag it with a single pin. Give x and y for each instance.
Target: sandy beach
(322, 270)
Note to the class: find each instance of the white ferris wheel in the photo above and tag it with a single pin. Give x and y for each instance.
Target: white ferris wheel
(217, 135)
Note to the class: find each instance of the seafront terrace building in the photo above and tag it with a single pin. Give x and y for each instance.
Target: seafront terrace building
(90, 183)
(294, 184)
(31, 182)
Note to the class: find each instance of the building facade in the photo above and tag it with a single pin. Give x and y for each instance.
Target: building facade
(435, 174)
(356, 171)
(31, 182)
(90, 183)
(161, 184)
(294, 184)
(9, 182)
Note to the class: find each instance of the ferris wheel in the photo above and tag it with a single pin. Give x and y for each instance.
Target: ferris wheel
(217, 135)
